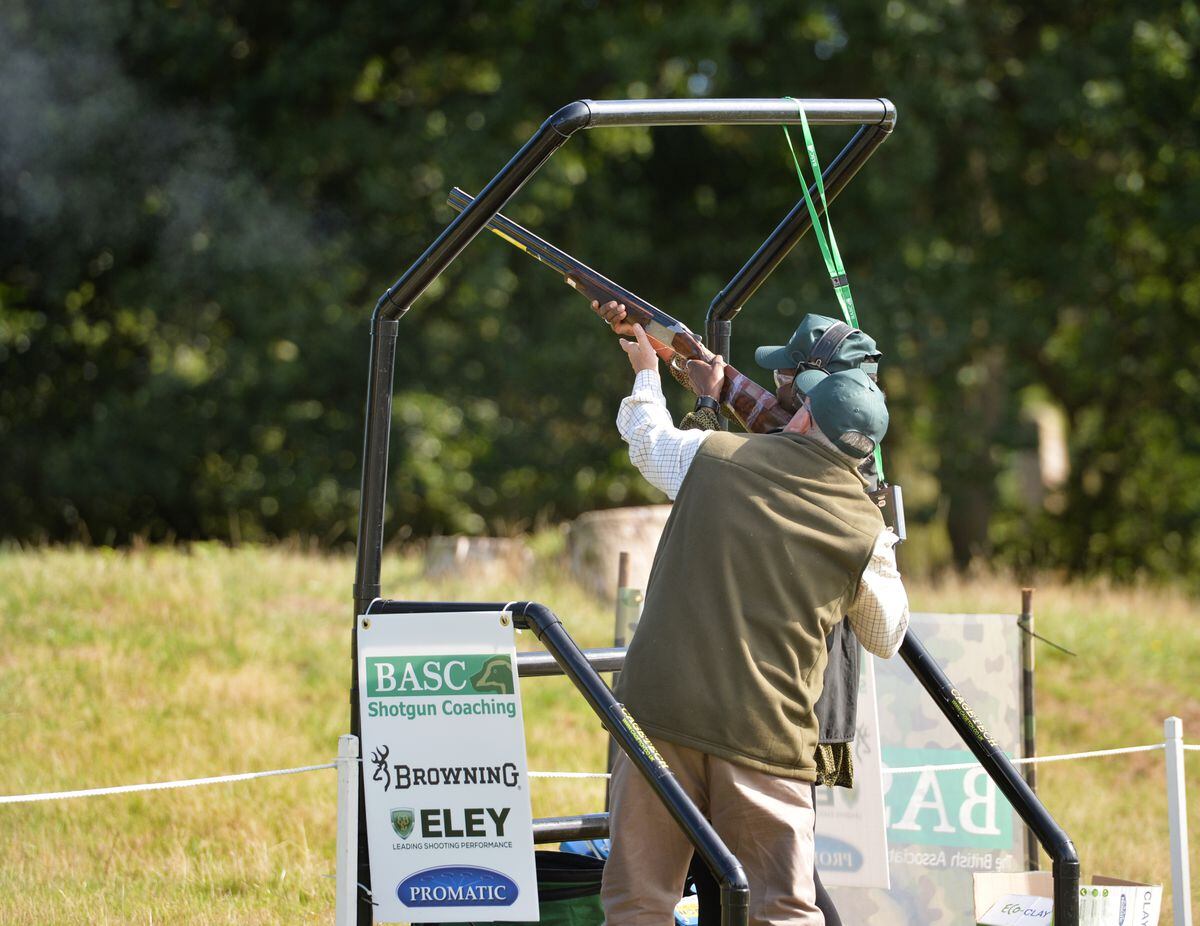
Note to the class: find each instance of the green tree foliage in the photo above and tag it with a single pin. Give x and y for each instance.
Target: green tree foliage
(201, 203)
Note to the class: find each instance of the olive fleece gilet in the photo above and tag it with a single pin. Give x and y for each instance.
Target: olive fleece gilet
(761, 556)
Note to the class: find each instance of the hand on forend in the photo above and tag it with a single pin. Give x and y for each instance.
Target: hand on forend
(614, 313)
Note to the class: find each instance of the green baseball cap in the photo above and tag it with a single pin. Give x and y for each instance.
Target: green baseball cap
(848, 408)
(849, 354)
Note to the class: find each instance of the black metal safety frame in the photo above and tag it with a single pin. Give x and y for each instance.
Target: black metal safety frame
(876, 118)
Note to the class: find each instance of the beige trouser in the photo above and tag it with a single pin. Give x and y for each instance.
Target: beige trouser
(765, 820)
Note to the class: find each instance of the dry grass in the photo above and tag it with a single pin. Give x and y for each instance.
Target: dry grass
(126, 667)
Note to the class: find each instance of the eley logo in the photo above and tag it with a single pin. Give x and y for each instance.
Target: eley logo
(417, 676)
(463, 822)
(450, 822)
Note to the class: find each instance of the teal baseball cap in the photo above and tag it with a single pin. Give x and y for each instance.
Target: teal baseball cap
(851, 353)
(849, 409)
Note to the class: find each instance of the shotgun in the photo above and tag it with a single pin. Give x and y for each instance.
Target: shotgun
(665, 330)
(659, 326)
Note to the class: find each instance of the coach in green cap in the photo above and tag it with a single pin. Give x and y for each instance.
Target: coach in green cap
(771, 542)
(848, 348)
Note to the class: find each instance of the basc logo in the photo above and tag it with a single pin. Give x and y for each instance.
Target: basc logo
(428, 676)
(457, 886)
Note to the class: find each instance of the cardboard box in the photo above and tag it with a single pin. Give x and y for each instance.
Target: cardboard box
(1024, 899)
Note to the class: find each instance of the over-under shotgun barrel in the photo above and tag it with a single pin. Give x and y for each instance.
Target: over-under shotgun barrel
(659, 325)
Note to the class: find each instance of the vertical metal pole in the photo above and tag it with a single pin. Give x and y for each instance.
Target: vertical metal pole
(1029, 728)
(373, 491)
(720, 341)
(629, 609)
(1181, 877)
(345, 911)
(622, 583)
(369, 561)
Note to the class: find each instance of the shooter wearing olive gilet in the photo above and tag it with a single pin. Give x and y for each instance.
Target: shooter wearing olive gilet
(761, 556)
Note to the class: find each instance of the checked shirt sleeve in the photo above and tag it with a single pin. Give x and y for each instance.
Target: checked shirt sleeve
(879, 614)
(661, 452)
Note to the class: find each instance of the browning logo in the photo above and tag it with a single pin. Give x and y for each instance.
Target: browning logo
(382, 774)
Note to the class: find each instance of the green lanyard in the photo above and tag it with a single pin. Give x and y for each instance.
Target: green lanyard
(829, 248)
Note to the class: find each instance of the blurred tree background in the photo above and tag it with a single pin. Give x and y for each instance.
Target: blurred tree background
(200, 203)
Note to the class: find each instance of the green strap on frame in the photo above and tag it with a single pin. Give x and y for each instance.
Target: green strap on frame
(828, 245)
(829, 248)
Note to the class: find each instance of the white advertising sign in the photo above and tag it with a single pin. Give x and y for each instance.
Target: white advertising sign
(449, 824)
(851, 833)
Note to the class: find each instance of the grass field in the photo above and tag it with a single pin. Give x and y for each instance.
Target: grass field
(158, 664)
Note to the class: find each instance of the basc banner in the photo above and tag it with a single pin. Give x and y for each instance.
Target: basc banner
(449, 824)
(942, 826)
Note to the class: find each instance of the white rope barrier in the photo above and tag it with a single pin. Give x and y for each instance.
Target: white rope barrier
(958, 766)
(157, 785)
(248, 776)
(1036, 760)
